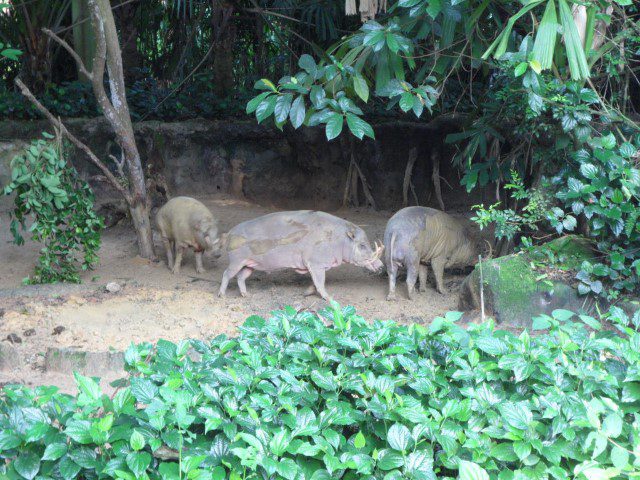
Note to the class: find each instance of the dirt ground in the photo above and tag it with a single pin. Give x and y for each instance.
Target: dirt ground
(153, 303)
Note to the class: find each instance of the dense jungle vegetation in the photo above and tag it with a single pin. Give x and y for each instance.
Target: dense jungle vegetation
(546, 97)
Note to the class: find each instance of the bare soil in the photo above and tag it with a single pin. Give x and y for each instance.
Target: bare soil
(153, 303)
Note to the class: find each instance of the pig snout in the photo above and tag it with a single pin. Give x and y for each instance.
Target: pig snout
(371, 260)
(375, 266)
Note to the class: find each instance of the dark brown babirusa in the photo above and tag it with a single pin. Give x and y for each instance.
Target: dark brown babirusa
(417, 236)
(306, 241)
(184, 222)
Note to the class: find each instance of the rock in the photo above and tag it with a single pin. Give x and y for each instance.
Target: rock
(58, 330)
(13, 338)
(29, 332)
(113, 287)
(68, 360)
(9, 357)
(512, 293)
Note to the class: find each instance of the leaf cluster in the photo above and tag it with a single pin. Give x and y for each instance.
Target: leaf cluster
(294, 398)
(56, 207)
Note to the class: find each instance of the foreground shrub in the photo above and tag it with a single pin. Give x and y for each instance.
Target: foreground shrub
(48, 192)
(293, 398)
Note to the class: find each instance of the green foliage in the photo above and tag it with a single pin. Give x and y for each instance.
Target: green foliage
(147, 99)
(48, 192)
(7, 53)
(294, 398)
(508, 221)
(318, 94)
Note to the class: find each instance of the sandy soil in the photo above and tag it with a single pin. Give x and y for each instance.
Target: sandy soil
(153, 303)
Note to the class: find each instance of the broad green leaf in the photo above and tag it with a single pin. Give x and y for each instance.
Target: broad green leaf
(307, 63)
(282, 107)
(471, 471)
(517, 415)
(619, 457)
(399, 437)
(612, 425)
(68, 468)
(359, 127)
(138, 462)
(8, 440)
(334, 126)
(297, 112)
(389, 459)
(359, 441)
(27, 465)
(520, 69)
(252, 105)
(143, 389)
(137, 441)
(54, 451)
(361, 88)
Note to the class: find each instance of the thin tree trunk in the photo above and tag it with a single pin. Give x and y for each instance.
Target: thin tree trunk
(83, 38)
(413, 155)
(224, 36)
(435, 160)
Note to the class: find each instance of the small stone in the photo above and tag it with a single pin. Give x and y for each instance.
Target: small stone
(58, 330)
(13, 338)
(113, 287)
(1, 312)
(29, 332)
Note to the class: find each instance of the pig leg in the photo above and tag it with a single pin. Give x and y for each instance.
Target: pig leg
(311, 290)
(392, 272)
(412, 275)
(199, 267)
(318, 275)
(231, 271)
(169, 249)
(242, 276)
(437, 265)
(423, 273)
(179, 252)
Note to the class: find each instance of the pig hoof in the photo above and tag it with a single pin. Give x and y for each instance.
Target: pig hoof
(221, 294)
(422, 289)
(243, 294)
(391, 297)
(200, 270)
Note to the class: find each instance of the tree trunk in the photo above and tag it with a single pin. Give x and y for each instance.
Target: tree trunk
(83, 38)
(127, 16)
(224, 37)
(116, 111)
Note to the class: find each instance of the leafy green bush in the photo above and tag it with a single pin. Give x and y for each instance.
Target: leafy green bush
(296, 399)
(48, 191)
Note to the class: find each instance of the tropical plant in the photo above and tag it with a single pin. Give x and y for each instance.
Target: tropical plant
(49, 195)
(387, 57)
(294, 398)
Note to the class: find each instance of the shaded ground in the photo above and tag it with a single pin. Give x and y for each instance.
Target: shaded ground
(153, 303)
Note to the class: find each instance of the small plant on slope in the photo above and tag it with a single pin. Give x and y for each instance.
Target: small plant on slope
(48, 191)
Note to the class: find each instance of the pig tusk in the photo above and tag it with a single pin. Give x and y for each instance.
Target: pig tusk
(379, 249)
